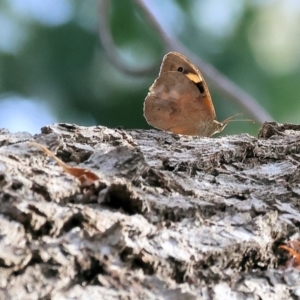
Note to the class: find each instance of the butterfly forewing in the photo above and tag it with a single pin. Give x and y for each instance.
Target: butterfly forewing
(174, 103)
(174, 60)
(179, 100)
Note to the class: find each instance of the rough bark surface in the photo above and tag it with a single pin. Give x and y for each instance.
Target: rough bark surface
(171, 217)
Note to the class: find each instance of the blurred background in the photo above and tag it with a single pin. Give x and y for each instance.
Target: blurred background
(53, 67)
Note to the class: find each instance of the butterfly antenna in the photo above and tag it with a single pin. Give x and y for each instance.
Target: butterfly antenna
(239, 120)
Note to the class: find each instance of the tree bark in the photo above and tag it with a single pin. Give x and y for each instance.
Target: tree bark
(171, 217)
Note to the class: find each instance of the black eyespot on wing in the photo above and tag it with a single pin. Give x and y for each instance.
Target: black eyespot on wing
(180, 69)
(201, 88)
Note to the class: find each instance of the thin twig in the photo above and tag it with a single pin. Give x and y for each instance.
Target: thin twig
(218, 81)
(109, 46)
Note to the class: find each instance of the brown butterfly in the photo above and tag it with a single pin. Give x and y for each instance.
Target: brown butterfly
(179, 100)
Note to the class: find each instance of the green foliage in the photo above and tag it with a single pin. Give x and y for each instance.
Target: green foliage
(66, 67)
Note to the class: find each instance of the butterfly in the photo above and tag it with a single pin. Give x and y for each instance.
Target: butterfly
(179, 100)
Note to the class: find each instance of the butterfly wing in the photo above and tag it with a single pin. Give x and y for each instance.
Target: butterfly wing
(174, 103)
(179, 101)
(173, 60)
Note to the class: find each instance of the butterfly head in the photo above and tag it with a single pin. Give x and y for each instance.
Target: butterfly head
(217, 127)
(214, 127)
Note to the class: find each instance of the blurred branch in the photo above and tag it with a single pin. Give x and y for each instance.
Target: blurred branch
(218, 81)
(109, 46)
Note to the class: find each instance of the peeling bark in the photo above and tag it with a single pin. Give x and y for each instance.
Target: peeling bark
(171, 217)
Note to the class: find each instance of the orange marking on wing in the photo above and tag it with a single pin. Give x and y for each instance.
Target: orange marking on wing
(194, 77)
